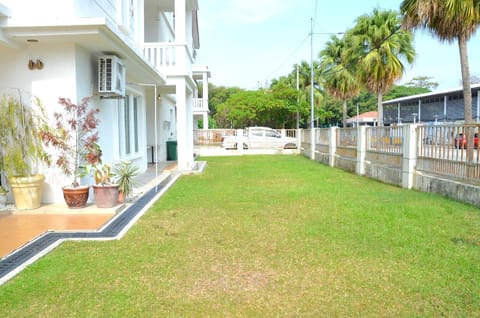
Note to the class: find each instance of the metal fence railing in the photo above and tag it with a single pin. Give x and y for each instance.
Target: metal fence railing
(322, 136)
(347, 137)
(385, 139)
(211, 137)
(449, 150)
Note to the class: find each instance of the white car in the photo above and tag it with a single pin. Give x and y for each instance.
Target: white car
(260, 137)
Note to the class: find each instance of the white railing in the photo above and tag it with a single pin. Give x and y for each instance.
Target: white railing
(168, 58)
(200, 105)
(211, 137)
(322, 136)
(385, 139)
(442, 149)
(347, 137)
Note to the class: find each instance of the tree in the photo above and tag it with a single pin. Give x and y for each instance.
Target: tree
(379, 45)
(474, 79)
(449, 20)
(304, 92)
(422, 81)
(338, 73)
(398, 91)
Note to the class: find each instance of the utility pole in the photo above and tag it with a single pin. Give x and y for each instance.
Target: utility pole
(312, 113)
(298, 97)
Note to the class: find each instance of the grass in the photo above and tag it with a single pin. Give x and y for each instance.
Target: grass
(268, 236)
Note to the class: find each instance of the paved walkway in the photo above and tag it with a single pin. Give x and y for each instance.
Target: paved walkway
(17, 230)
(19, 227)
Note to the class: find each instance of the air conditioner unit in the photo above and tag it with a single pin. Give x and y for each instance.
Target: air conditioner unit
(111, 76)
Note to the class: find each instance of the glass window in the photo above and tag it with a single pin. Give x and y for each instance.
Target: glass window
(126, 122)
(135, 124)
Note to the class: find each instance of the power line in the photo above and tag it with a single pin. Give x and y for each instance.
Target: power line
(287, 58)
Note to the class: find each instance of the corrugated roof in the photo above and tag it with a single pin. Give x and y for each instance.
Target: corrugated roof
(475, 87)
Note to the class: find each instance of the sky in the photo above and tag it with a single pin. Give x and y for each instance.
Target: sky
(247, 43)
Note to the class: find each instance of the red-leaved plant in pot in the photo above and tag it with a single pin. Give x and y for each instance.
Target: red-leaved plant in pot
(74, 138)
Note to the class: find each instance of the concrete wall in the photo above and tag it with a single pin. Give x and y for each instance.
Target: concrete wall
(449, 188)
(395, 169)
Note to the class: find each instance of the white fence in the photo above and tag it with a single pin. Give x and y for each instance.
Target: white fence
(432, 158)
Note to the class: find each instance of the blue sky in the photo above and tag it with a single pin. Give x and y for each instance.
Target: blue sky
(246, 43)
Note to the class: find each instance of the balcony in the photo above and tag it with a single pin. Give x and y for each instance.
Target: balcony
(169, 58)
(200, 105)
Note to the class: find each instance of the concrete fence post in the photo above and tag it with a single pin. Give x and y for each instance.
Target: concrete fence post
(240, 150)
(409, 159)
(312, 143)
(333, 145)
(361, 149)
(299, 141)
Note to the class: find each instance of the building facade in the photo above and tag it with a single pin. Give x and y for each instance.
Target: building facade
(134, 58)
(440, 106)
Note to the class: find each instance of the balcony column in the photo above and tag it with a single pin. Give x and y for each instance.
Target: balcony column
(184, 126)
(180, 22)
(205, 106)
(205, 85)
(205, 120)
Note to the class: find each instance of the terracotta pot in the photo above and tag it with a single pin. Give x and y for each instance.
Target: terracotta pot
(106, 196)
(121, 197)
(27, 191)
(76, 197)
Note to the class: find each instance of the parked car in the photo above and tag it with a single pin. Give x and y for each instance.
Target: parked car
(260, 137)
(461, 141)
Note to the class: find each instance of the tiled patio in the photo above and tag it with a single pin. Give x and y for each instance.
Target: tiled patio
(20, 227)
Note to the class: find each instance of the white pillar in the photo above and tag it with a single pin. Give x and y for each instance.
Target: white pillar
(409, 159)
(180, 22)
(184, 127)
(333, 145)
(361, 149)
(299, 141)
(240, 141)
(205, 120)
(205, 99)
(312, 142)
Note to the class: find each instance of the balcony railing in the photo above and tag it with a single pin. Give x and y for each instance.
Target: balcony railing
(169, 58)
(200, 105)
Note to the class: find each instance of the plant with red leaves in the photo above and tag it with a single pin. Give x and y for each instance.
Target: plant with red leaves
(75, 137)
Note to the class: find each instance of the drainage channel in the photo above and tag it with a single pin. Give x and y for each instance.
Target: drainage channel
(15, 262)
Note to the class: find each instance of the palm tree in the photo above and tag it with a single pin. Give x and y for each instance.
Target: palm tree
(379, 44)
(338, 74)
(449, 20)
(304, 84)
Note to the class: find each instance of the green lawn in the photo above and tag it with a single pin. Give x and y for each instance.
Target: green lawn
(268, 236)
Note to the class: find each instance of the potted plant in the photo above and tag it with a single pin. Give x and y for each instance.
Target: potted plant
(104, 190)
(125, 173)
(74, 138)
(21, 148)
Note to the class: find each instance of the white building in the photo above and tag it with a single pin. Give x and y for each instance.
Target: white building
(52, 48)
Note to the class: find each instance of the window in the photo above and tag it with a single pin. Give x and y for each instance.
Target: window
(135, 123)
(129, 125)
(126, 122)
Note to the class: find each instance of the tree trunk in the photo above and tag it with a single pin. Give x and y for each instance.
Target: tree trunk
(380, 109)
(467, 92)
(467, 99)
(344, 113)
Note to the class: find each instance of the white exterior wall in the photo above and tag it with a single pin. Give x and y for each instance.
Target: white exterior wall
(159, 27)
(70, 70)
(166, 127)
